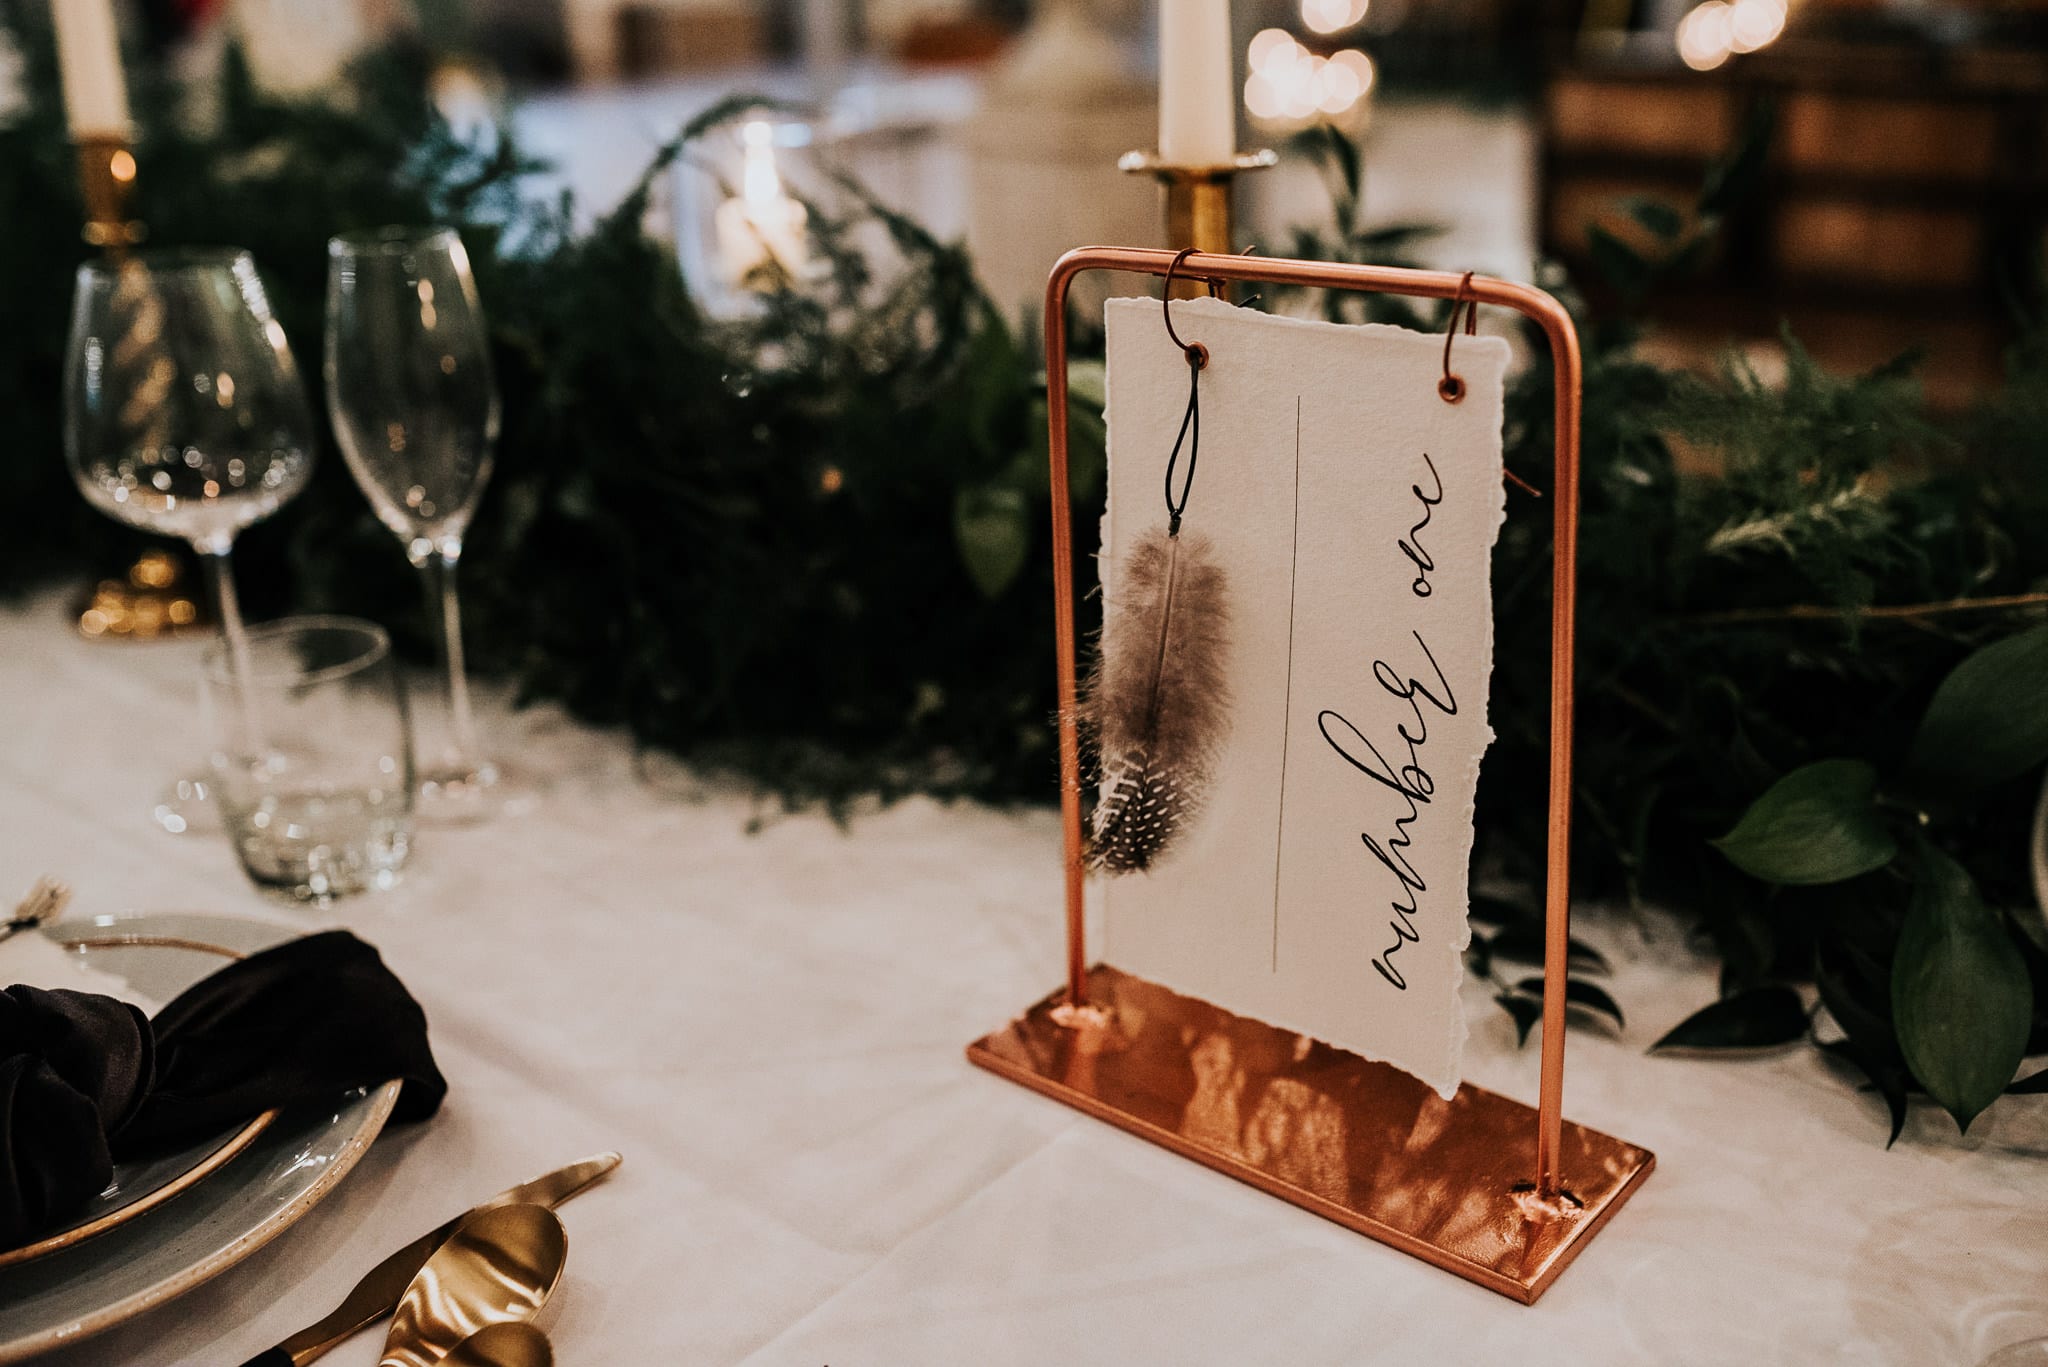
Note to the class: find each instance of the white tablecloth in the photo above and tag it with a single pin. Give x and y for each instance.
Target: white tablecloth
(770, 1027)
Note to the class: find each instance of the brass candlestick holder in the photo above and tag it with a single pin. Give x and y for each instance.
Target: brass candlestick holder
(106, 179)
(153, 598)
(1197, 201)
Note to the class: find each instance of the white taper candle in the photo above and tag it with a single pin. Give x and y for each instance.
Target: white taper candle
(1197, 96)
(89, 53)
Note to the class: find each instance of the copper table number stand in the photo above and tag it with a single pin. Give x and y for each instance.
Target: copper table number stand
(1480, 1185)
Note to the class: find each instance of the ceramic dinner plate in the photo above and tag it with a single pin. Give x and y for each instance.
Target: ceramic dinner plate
(140, 1186)
(209, 1223)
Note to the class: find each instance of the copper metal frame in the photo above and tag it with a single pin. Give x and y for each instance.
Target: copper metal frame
(1479, 1185)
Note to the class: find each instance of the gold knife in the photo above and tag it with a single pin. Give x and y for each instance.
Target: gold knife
(378, 1293)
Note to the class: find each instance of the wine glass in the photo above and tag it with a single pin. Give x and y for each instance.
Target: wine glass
(184, 415)
(410, 393)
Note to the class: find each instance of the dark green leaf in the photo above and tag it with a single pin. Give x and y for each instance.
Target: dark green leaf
(1756, 1019)
(1655, 215)
(1350, 166)
(1388, 242)
(1857, 1012)
(1989, 718)
(1621, 265)
(1961, 998)
(1580, 993)
(1689, 258)
(1818, 824)
(1479, 955)
(1887, 1078)
(1495, 911)
(1747, 941)
(1087, 383)
(1520, 941)
(1732, 179)
(1523, 943)
(1087, 441)
(1087, 459)
(1525, 1012)
(993, 528)
(1339, 160)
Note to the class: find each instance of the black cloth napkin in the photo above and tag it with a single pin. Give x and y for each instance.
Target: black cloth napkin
(86, 1079)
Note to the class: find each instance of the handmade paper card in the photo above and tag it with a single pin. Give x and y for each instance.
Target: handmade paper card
(1344, 516)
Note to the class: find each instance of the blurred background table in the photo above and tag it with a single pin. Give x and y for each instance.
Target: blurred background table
(769, 1025)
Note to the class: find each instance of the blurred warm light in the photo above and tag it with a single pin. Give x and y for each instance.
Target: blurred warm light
(1269, 45)
(1756, 23)
(1359, 65)
(763, 225)
(1331, 16)
(1706, 36)
(463, 99)
(1290, 86)
(153, 570)
(760, 181)
(1718, 29)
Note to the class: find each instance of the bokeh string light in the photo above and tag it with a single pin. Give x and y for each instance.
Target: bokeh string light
(1290, 87)
(1332, 16)
(1713, 32)
(1757, 23)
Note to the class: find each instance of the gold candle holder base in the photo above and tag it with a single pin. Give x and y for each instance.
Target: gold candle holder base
(106, 179)
(1197, 200)
(153, 601)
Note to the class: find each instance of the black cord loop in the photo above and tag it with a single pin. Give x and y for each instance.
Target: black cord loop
(1190, 435)
(1197, 354)
(1451, 388)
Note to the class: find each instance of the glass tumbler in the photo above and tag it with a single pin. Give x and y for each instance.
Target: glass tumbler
(312, 756)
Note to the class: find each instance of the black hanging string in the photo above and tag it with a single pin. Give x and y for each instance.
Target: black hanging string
(1190, 435)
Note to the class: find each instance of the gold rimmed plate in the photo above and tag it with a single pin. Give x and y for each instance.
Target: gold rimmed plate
(242, 1203)
(158, 967)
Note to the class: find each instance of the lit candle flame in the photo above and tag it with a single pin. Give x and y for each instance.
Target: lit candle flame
(763, 225)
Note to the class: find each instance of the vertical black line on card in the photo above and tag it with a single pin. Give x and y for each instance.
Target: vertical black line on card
(1287, 713)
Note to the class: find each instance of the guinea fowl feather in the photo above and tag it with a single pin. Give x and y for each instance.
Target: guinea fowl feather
(1156, 703)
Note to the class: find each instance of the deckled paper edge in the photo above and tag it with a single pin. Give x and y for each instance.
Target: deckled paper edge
(1496, 358)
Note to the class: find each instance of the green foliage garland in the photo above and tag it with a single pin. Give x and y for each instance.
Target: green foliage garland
(807, 547)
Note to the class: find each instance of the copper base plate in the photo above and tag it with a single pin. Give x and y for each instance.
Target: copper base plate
(1357, 1142)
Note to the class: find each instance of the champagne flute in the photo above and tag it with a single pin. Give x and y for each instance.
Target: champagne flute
(184, 415)
(410, 393)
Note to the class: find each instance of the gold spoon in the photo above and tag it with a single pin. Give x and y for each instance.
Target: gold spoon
(512, 1344)
(498, 1266)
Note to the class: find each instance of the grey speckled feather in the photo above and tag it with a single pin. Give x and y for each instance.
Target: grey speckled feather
(1155, 703)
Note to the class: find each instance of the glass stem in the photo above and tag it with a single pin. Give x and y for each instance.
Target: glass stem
(227, 610)
(437, 572)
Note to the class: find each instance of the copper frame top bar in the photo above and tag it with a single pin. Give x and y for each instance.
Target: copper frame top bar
(1563, 338)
